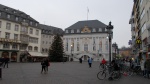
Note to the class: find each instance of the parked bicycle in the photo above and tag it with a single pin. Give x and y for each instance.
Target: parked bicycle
(104, 72)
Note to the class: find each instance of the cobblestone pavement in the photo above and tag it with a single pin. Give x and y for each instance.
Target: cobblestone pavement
(61, 73)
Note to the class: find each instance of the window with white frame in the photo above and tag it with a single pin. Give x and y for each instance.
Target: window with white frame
(16, 27)
(36, 24)
(85, 47)
(0, 24)
(78, 46)
(6, 45)
(37, 32)
(72, 31)
(31, 31)
(7, 35)
(106, 45)
(15, 36)
(78, 31)
(8, 26)
(35, 48)
(30, 48)
(100, 29)
(94, 30)
(142, 14)
(24, 20)
(105, 29)
(66, 31)
(14, 46)
(8, 16)
(30, 22)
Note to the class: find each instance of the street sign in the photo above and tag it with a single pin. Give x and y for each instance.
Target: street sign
(138, 41)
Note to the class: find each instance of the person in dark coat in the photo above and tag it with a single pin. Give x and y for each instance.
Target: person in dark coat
(147, 67)
(47, 64)
(6, 60)
(80, 59)
(43, 63)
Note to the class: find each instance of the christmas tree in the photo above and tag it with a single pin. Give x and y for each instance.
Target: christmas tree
(56, 50)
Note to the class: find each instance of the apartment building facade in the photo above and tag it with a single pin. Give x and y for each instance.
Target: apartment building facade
(47, 35)
(20, 34)
(86, 39)
(140, 28)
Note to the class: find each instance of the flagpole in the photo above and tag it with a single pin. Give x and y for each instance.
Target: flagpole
(87, 12)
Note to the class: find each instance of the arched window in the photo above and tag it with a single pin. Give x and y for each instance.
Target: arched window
(35, 48)
(30, 48)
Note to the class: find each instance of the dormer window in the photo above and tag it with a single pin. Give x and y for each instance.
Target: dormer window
(100, 29)
(94, 30)
(78, 31)
(6, 9)
(14, 11)
(66, 31)
(105, 29)
(8, 16)
(24, 20)
(72, 31)
(17, 18)
(36, 24)
(30, 22)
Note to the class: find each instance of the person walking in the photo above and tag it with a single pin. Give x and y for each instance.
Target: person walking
(80, 60)
(43, 63)
(147, 67)
(90, 62)
(6, 60)
(47, 64)
(142, 66)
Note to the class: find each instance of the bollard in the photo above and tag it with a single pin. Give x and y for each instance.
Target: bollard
(0, 73)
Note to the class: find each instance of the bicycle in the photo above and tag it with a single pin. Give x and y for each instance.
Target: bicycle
(115, 75)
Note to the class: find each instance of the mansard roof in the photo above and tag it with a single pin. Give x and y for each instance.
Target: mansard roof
(87, 25)
(4, 10)
(50, 29)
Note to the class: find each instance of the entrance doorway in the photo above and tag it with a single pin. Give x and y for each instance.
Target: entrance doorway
(85, 57)
(14, 56)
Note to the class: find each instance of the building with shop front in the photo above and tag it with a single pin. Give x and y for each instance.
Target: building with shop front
(86, 39)
(140, 29)
(20, 35)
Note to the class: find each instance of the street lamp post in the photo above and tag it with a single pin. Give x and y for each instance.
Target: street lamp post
(109, 29)
(116, 48)
(71, 53)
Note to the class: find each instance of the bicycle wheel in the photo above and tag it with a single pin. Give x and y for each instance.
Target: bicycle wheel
(116, 75)
(101, 75)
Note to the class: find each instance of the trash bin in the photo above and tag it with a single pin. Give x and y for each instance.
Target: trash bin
(0, 72)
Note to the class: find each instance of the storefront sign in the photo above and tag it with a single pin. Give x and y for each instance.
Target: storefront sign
(138, 41)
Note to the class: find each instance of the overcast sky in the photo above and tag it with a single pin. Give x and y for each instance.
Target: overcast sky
(64, 13)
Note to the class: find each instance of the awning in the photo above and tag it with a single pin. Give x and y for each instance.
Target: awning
(37, 54)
